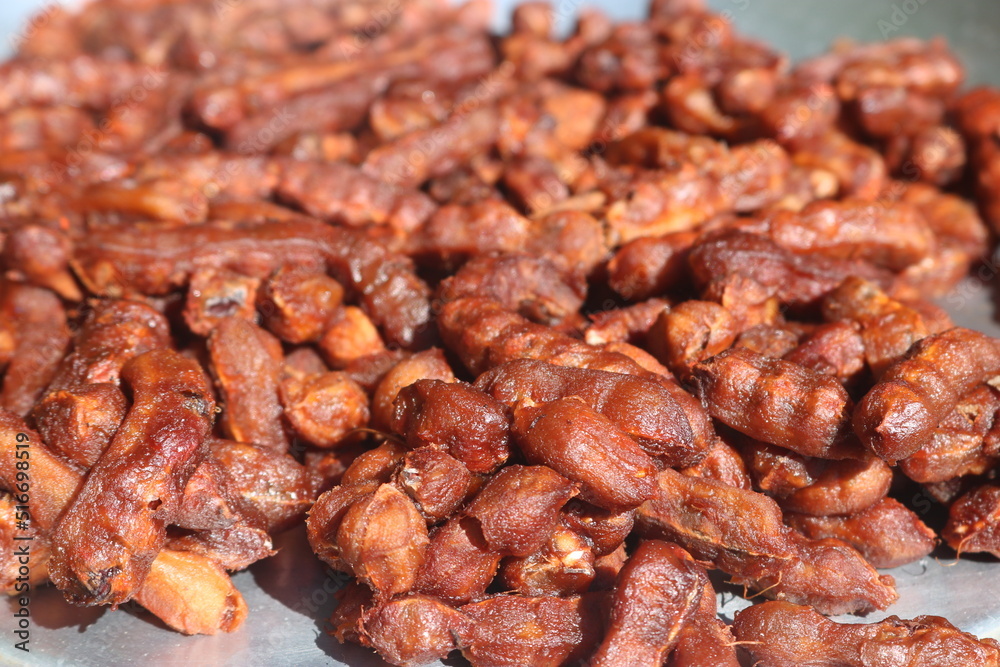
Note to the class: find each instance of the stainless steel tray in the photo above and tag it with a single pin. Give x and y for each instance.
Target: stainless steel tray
(290, 595)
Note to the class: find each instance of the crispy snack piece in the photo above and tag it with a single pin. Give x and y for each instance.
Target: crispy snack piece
(817, 487)
(797, 280)
(104, 545)
(414, 630)
(972, 522)
(705, 639)
(780, 634)
(643, 408)
(437, 482)
(297, 304)
(425, 365)
(468, 423)
(966, 442)
(510, 630)
(114, 332)
(888, 327)
(518, 509)
(460, 565)
(778, 402)
(897, 417)
(564, 566)
(79, 424)
(324, 408)
(57, 481)
(887, 534)
(586, 447)
(192, 594)
(216, 294)
(742, 533)
(41, 339)
(657, 594)
(246, 365)
(153, 261)
(383, 540)
(531, 286)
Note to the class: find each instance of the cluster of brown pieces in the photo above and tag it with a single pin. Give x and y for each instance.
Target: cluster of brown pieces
(545, 327)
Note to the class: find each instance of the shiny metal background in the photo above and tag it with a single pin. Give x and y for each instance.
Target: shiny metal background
(290, 595)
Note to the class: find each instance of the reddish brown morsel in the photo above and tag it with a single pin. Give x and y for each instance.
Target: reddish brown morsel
(778, 402)
(469, 424)
(887, 534)
(586, 447)
(106, 541)
(742, 533)
(657, 594)
(519, 508)
(897, 417)
(511, 630)
(246, 365)
(780, 634)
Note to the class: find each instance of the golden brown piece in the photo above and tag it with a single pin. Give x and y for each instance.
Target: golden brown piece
(214, 295)
(79, 424)
(246, 365)
(972, 522)
(383, 540)
(705, 639)
(192, 594)
(587, 448)
(106, 541)
(459, 564)
(116, 262)
(519, 508)
(297, 305)
(780, 634)
(437, 482)
(469, 424)
(428, 364)
(816, 486)
(564, 566)
(414, 630)
(897, 417)
(887, 534)
(778, 402)
(41, 339)
(510, 631)
(658, 592)
(742, 533)
(323, 409)
(644, 409)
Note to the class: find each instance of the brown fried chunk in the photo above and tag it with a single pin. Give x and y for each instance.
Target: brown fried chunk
(586, 447)
(781, 634)
(519, 508)
(105, 543)
(778, 402)
(742, 533)
(246, 365)
(469, 424)
(887, 534)
(510, 631)
(896, 418)
(658, 592)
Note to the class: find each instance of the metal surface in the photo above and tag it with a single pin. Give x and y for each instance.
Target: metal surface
(290, 594)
